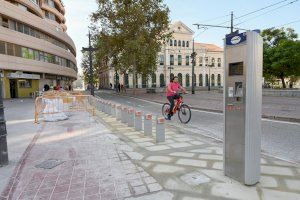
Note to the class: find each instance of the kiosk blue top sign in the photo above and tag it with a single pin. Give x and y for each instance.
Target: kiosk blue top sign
(236, 39)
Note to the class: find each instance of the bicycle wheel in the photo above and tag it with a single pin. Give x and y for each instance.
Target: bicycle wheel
(165, 110)
(184, 114)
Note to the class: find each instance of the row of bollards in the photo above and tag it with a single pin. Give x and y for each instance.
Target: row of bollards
(133, 118)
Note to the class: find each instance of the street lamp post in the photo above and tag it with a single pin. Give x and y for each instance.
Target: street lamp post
(90, 49)
(3, 132)
(193, 67)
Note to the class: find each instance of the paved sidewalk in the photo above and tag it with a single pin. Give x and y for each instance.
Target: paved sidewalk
(281, 108)
(92, 165)
(190, 167)
(19, 116)
(102, 158)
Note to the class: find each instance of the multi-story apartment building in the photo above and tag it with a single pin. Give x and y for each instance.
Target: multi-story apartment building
(35, 49)
(175, 60)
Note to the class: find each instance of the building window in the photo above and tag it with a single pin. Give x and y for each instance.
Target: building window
(25, 84)
(213, 62)
(50, 15)
(171, 59)
(153, 79)
(187, 60)
(201, 61)
(161, 80)
(206, 61)
(179, 60)
(171, 42)
(183, 43)
(179, 43)
(212, 80)
(175, 43)
(10, 49)
(36, 2)
(22, 28)
(50, 3)
(206, 80)
(187, 80)
(219, 62)
(27, 53)
(194, 80)
(171, 76)
(219, 80)
(180, 78)
(161, 60)
(187, 44)
(2, 48)
(200, 80)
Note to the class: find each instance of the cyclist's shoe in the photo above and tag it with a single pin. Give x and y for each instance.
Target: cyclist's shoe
(169, 117)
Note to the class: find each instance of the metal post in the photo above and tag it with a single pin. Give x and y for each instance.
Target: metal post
(131, 117)
(148, 125)
(3, 132)
(138, 121)
(118, 112)
(160, 130)
(208, 77)
(193, 67)
(231, 27)
(90, 49)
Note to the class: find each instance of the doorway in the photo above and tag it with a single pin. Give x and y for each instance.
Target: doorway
(13, 88)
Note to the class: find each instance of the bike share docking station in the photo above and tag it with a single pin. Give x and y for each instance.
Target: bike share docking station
(242, 106)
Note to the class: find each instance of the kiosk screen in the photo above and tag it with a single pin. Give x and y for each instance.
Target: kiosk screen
(236, 69)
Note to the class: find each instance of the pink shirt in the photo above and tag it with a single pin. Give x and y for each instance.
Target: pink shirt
(174, 87)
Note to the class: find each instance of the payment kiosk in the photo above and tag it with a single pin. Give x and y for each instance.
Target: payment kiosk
(242, 106)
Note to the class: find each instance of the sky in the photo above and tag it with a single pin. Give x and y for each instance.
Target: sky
(196, 11)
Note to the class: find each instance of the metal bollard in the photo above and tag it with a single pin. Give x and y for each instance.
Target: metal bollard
(113, 110)
(148, 125)
(131, 117)
(109, 108)
(160, 130)
(118, 112)
(102, 106)
(124, 114)
(138, 121)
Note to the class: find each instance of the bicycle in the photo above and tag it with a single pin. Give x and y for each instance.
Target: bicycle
(184, 111)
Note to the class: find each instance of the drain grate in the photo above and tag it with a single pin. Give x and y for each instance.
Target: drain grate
(49, 164)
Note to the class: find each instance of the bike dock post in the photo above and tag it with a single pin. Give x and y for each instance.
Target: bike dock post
(113, 110)
(148, 125)
(108, 111)
(118, 112)
(131, 117)
(138, 121)
(160, 130)
(123, 114)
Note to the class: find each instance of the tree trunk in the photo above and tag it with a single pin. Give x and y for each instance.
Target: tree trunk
(282, 81)
(134, 75)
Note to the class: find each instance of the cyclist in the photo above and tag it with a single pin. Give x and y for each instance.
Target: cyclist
(172, 93)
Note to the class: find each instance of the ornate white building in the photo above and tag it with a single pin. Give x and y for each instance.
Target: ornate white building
(175, 60)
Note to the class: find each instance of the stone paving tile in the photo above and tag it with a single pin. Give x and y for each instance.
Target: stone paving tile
(192, 162)
(276, 175)
(182, 154)
(95, 164)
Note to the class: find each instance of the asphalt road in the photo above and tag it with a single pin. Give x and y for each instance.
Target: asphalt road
(280, 139)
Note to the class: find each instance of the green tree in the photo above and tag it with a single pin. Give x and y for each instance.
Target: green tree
(281, 54)
(132, 32)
